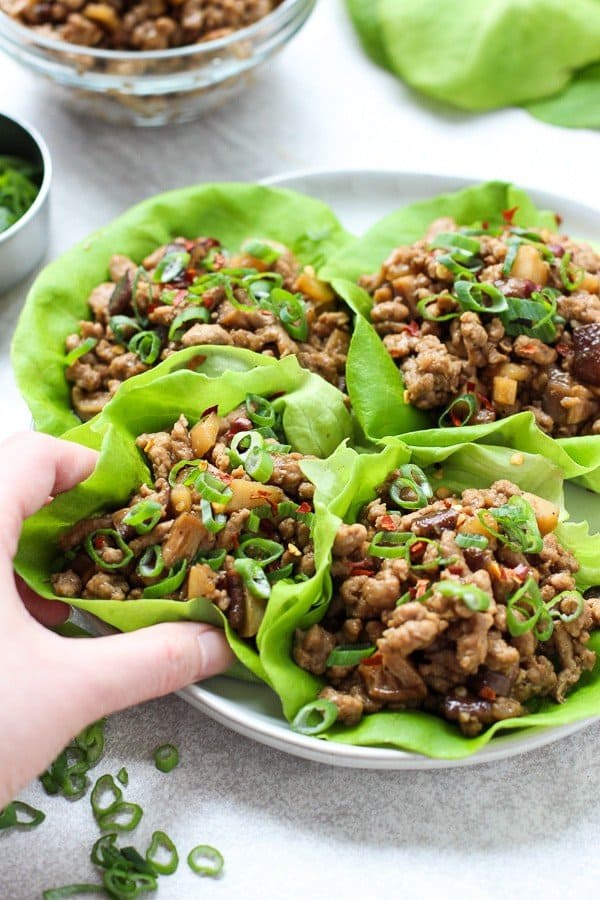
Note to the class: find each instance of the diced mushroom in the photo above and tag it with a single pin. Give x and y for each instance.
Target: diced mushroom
(586, 358)
(184, 540)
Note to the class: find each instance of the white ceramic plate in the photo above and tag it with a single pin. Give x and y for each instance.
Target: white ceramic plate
(360, 198)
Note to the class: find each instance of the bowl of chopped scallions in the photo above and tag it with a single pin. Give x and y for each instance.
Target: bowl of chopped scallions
(25, 175)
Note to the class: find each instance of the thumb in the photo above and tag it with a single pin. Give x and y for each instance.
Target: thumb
(110, 673)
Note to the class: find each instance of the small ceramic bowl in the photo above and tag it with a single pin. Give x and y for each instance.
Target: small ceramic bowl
(24, 243)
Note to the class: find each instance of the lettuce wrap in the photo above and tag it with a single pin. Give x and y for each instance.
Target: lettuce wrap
(476, 56)
(383, 413)
(230, 212)
(314, 418)
(347, 481)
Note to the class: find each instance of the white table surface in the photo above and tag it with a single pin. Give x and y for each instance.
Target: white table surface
(290, 828)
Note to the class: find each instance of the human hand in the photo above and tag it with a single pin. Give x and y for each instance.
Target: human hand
(52, 686)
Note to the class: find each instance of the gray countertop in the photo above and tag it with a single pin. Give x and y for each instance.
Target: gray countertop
(289, 827)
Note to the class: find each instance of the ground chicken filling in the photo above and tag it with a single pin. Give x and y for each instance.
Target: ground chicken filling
(465, 606)
(191, 293)
(130, 25)
(485, 322)
(229, 515)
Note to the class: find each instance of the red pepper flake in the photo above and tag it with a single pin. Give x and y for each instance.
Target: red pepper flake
(521, 572)
(196, 362)
(375, 660)
(418, 548)
(562, 349)
(485, 225)
(422, 585)
(485, 402)
(455, 570)
(153, 306)
(470, 387)
(190, 275)
(99, 542)
(304, 508)
(386, 523)
(487, 693)
(363, 567)
(412, 328)
(509, 214)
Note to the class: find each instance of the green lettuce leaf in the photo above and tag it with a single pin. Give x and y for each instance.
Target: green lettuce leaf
(576, 106)
(357, 478)
(382, 413)
(154, 404)
(478, 56)
(58, 299)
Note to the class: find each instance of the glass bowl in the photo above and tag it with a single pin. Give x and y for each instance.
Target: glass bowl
(155, 87)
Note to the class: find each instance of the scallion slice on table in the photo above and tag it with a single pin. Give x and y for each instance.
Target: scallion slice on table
(20, 815)
(161, 845)
(73, 890)
(166, 757)
(206, 860)
(122, 816)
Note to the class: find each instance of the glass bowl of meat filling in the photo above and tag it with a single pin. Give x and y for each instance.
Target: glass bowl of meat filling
(148, 63)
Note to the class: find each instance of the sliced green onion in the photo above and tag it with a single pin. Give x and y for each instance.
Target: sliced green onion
(523, 237)
(72, 890)
(136, 861)
(460, 263)
(212, 488)
(191, 314)
(167, 297)
(147, 345)
(122, 816)
(118, 325)
(168, 585)
(448, 240)
(478, 541)
(160, 844)
(253, 523)
(214, 559)
(512, 245)
(254, 578)
(520, 530)
(291, 311)
(258, 465)
(260, 411)
(83, 348)
(144, 516)
(104, 852)
(114, 535)
(261, 250)
(123, 884)
(123, 776)
(166, 757)
(281, 573)
(151, 563)
(569, 283)
(206, 860)
(20, 815)
(556, 601)
(67, 774)
(186, 464)
(171, 267)
(459, 412)
(480, 297)
(469, 594)
(315, 717)
(390, 544)
(259, 286)
(535, 317)
(527, 602)
(212, 523)
(260, 550)
(425, 302)
(242, 444)
(413, 480)
(349, 656)
(105, 787)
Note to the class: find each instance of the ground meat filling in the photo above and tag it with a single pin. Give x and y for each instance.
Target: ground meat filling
(205, 528)
(190, 293)
(470, 614)
(538, 348)
(131, 25)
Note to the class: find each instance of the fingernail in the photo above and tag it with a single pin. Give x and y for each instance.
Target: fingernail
(215, 653)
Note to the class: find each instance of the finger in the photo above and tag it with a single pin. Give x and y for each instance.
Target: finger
(114, 672)
(47, 612)
(36, 466)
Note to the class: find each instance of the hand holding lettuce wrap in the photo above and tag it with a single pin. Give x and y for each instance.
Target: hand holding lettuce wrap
(63, 684)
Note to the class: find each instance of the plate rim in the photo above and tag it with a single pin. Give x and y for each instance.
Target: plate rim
(280, 736)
